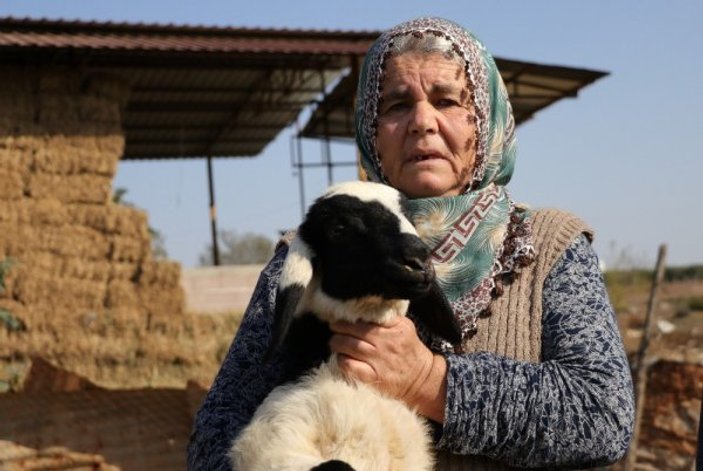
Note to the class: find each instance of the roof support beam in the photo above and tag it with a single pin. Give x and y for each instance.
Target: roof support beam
(213, 214)
(205, 107)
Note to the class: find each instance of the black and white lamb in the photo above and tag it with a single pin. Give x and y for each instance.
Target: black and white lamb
(355, 257)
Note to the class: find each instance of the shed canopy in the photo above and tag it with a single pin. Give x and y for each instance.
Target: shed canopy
(212, 91)
(531, 86)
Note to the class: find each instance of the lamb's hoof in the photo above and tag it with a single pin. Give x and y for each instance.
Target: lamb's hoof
(333, 465)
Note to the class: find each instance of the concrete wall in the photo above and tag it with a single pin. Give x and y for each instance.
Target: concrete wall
(219, 289)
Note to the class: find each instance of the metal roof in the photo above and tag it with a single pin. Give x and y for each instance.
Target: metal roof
(201, 91)
(531, 86)
(194, 91)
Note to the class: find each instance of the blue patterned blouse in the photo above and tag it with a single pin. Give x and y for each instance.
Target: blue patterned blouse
(574, 409)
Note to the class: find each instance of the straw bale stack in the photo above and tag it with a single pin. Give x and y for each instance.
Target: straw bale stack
(33, 211)
(82, 188)
(16, 308)
(11, 184)
(122, 294)
(155, 303)
(125, 348)
(129, 249)
(11, 158)
(49, 264)
(71, 293)
(13, 212)
(70, 240)
(160, 274)
(72, 155)
(69, 95)
(111, 219)
(83, 280)
(122, 271)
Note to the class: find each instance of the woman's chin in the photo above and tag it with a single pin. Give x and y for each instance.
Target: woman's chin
(427, 187)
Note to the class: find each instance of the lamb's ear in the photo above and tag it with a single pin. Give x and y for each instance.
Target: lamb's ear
(295, 277)
(435, 313)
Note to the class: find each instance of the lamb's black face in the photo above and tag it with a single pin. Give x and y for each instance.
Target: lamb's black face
(360, 250)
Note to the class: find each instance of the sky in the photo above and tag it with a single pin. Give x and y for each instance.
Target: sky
(626, 155)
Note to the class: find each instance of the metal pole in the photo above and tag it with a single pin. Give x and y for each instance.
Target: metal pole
(301, 182)
(327, 147)
(641, 366)
(213, 214)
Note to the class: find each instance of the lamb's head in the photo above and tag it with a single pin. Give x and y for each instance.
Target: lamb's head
(364, 247)
(357, 257)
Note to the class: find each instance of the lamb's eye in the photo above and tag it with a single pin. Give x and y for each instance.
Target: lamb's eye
(336, 230)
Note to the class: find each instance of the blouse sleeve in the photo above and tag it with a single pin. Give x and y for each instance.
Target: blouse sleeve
(575, 408)
(242, 382)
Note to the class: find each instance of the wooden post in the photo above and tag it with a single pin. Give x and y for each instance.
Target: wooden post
(641, 366)
(213, 214)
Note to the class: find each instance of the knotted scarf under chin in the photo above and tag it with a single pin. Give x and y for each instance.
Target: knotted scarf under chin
(479, 240)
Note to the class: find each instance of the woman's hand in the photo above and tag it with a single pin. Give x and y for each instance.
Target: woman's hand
(393, 359)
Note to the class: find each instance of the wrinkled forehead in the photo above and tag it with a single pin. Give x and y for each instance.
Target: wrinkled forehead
(460, 44)
(464, 46)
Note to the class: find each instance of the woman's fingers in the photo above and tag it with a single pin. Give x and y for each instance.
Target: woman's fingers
(352, 344)
(357, 369)
(391, 356)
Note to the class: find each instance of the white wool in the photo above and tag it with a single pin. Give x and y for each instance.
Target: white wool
(323, 417)
(297, 267)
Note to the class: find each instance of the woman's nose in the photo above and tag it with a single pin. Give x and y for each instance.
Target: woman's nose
(423, 119)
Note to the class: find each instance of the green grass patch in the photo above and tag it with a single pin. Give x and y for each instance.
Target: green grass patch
(620, 283)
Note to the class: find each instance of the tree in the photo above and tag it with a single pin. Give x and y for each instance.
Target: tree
(158, 244)
(239, 249)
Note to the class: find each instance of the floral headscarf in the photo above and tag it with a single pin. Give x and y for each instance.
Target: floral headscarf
(481, 237)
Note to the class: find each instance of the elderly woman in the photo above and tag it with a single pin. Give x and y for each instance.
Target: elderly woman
(540, 378)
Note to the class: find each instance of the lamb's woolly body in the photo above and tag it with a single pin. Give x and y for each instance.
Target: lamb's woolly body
(322, 417)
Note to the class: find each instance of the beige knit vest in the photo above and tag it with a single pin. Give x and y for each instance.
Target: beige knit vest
(514, 328)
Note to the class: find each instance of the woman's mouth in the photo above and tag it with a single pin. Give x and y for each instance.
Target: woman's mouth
(423, 157)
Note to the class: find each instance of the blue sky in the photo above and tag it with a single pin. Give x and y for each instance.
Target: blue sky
(626, 155)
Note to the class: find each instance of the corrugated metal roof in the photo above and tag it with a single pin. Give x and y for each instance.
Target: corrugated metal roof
(201, 91)
(195, 91)
(27, 32)
(531, 86)
(177, 43)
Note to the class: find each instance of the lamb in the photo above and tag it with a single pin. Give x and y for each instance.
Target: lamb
(355, 257)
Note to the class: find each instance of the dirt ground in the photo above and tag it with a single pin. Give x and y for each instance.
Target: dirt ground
(677, 329)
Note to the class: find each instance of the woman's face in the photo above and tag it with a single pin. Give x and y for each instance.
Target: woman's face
(426, 135)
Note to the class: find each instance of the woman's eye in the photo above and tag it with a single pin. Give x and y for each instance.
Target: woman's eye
(396, 106)
(447, 102)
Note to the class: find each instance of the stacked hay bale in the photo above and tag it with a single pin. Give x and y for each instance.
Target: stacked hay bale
(78, 283)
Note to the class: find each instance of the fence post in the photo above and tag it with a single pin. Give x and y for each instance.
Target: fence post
(641, 366)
